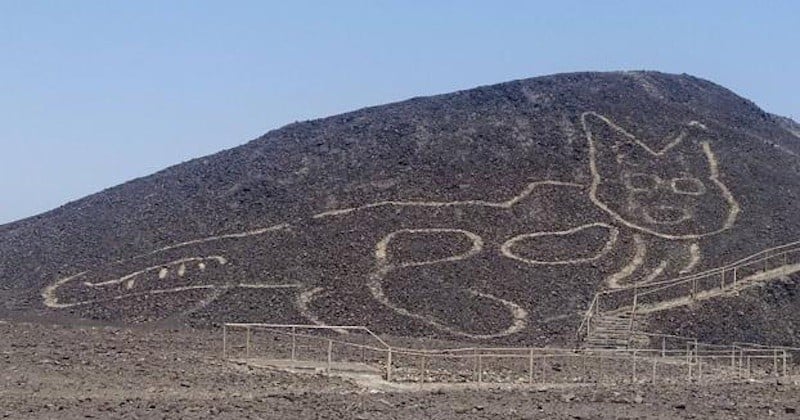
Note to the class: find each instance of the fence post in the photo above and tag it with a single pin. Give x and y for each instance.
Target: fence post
(655, 360)
(530, 367)
(294, 343)
(544, 367)
(699, 368)
(224, 341)
(734, 277)
(389, 365)
(422, 370)
(784, 363)
(775, 361)
(601, 375)
(330, 355)
(589, 319)
(698, 360)
(475, 364)
(663, 347)
(480, 370)
(749, 369)
(633, 359)
(247, 343)
(597, 308)
(722, 280)
(633, 316)
(741, 362)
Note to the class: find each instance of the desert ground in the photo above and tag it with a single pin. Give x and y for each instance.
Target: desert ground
(81, 370)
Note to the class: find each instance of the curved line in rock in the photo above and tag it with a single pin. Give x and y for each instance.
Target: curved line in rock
(255, 232)
(733, 210)
(519, 314)
(694, 259)
(506, 250)
(654, 274)
(637, 261)
(50, 298)
(496, 204)
(302, 304)
(381, 248)
(52, 302)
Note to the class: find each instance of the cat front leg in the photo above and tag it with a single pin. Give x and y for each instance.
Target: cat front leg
(655, 261)
(429, 281)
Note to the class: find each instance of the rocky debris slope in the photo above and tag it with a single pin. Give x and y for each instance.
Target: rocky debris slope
(492, 214)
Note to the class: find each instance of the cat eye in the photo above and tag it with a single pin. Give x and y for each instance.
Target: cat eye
(690, 186)
(642, 182)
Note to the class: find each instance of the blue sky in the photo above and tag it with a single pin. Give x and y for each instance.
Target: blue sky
(95, 93)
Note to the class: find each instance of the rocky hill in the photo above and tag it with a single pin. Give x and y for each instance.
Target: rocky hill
(492, 214)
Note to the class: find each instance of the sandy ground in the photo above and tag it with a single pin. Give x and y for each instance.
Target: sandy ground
(79, 371)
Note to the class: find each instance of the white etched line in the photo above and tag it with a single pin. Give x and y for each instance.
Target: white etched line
(613, 281)
(506, 248)
(694, 259)
(494, 204)
(303, 302)
(597, 180)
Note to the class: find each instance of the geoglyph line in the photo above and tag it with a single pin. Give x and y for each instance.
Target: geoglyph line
(494, 204)
(305, 299)
(261, 231)
(52, 301)
(674, 142)
(694, 259)
(163, 270)
(733, 210)
(742, 284)
(506, 250)
(382, 245)
(613, 281)
(659, 270)
(50, 297)
(374, 283)
(518, 314)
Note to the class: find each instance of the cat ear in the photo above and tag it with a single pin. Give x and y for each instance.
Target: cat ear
(609, 145)
(690, 150)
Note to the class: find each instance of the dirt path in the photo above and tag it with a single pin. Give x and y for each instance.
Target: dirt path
(70, 372)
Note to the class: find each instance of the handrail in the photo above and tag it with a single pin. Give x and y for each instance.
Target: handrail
(744, 344)
(759, 257)
(693, 356)
(718, 271)
(312, 327)
(742, 262)
(763, 256)
(587, 319)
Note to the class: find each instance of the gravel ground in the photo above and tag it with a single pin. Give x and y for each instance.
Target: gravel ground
(92, 371)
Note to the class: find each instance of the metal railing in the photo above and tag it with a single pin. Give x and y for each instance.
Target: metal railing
(685, 289)
(361, 350)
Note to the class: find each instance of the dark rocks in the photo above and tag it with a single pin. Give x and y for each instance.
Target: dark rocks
(187, 245)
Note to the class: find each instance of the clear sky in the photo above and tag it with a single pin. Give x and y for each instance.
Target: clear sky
(94, 93)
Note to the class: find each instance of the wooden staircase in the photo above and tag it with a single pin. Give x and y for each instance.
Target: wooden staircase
(615, 331)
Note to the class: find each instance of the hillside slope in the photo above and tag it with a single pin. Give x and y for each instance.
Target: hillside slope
(488, 214)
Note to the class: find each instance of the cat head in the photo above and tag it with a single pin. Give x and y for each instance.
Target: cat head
(671, 190)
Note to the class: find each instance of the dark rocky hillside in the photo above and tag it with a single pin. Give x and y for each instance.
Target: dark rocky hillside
(488, 214)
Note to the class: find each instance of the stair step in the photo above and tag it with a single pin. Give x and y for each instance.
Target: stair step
(614, 332)
(610, 336)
